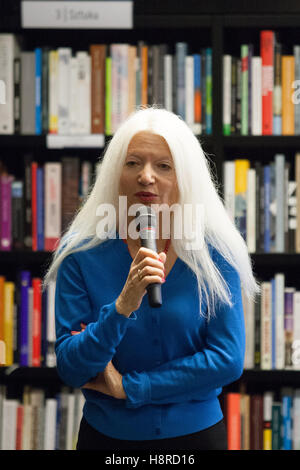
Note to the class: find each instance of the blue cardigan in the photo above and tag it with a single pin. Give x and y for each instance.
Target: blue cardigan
(174, 363)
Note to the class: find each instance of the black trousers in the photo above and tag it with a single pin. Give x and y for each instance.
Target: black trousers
(212, 438)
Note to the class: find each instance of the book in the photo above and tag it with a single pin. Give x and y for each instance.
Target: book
(267, 55)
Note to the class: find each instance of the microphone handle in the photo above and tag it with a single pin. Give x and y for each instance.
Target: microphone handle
(153, 290)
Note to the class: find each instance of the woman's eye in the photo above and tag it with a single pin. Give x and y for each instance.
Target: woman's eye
(164, 166)
(130, 163)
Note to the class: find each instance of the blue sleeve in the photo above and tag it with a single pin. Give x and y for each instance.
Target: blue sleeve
(81, 357)
(197, 376)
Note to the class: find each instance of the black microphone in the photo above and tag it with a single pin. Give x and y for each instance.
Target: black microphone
(146, 224)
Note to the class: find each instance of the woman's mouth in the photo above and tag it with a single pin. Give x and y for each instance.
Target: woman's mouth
(146, 196)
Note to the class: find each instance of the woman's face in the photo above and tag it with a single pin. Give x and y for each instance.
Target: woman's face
(148, 175)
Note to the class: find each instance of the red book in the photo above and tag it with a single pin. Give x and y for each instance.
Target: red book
(36, 322)
(20, 416)
(34, 204)
(267, 57)
(233, 415)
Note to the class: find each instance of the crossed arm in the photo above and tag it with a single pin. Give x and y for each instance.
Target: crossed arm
(89, 354)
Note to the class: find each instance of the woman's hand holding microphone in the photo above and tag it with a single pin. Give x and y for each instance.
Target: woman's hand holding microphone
(146, 268)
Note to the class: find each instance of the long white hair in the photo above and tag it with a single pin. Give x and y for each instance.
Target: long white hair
(196, 184)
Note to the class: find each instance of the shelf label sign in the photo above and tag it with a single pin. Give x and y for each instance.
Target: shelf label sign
(104, 14)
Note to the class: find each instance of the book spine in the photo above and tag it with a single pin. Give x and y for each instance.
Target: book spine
(256, 97)
(277, 96)
(5, 206)
(267, 208)
(53, 91)
(288, 111)
(208, 95)
(267, 53)
(34, 166)
(53, 215)
(197, 93)
(241, 169)
(227, 94)
(7, 45)
(244, 93)
(279, 314)
(181, 52)
(36, 323)
(40, 208)
(9, 291)
(297, 78)
(38, 90)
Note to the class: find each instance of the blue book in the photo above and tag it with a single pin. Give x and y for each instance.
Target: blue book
(208, 113)
(267, 233)
(287, 420)
(38, 90)
(40, 208)
(25, 283)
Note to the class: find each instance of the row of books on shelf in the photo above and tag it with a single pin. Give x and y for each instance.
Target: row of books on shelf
(27, 322)
(38, 422)
(35, 210)
(272, 324)
(261, 91)
(263, 200)
(263, 421)
(61, 91)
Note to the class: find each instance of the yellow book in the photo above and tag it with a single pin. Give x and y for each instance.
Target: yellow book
(2, 280)
(267, 439)
(53, 92)
(241, 172)
(288, 107)
(9, 289)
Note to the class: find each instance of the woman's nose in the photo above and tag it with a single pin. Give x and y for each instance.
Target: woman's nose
(147, 174)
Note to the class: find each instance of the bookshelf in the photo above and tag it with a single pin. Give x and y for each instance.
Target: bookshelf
(223, 26)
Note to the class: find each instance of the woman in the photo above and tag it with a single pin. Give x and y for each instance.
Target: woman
(151, 376)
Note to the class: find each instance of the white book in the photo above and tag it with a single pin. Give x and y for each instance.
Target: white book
(296, 420)
(51, 335)
(53, 92)
(266, 326)
(64, 69)
(9, 50)
(249, 317)
(226, 93)
(50, 424)
(27, 427)
(118, 68)
(279, 320)
(229, 188)
(37, 399)
(251, 209)
(9, 423)
(84, 93)
(256, 96)
(189, 91)
(268, 398)
(78, 409)
(70, 421)
(124, 58)
(53, 178)
(2, 398)
(132, 51)
(296, 332)
(74, 111)
(168, 82)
